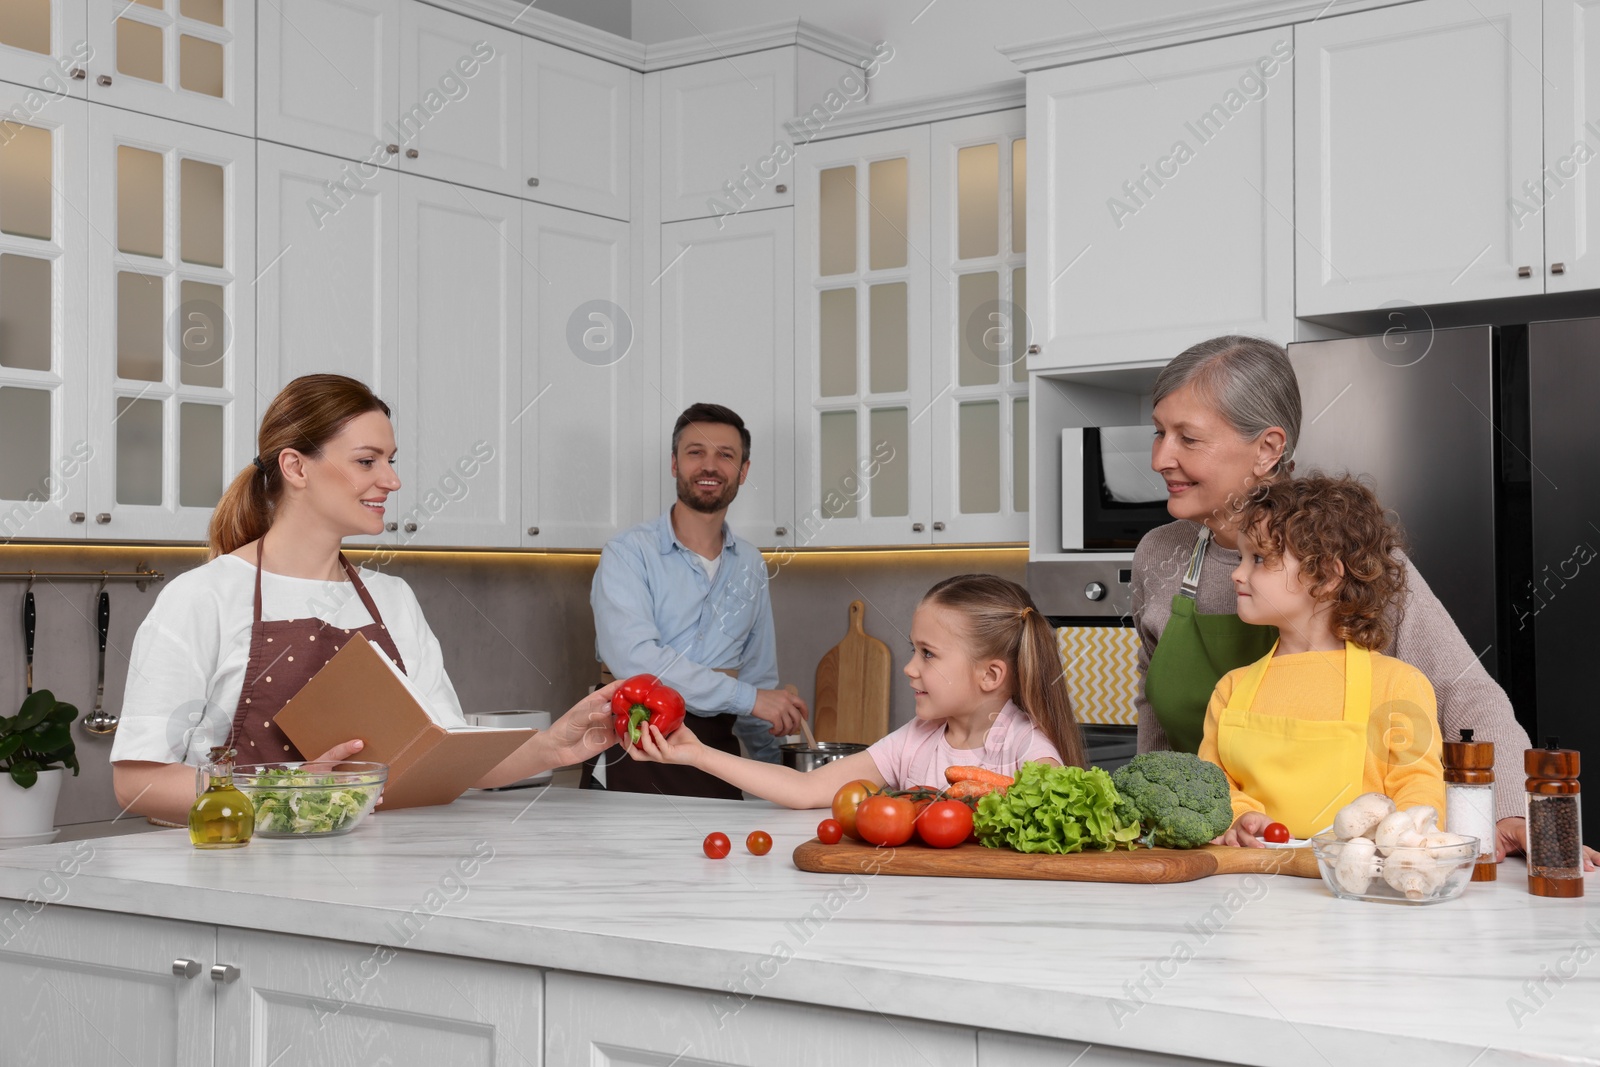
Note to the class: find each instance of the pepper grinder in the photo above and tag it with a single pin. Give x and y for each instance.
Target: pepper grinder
(1469, 798)
(1555, 832)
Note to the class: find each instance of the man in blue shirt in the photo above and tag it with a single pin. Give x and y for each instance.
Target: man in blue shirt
(682, 598)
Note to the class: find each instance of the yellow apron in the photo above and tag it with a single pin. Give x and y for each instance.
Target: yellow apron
(1301, 772)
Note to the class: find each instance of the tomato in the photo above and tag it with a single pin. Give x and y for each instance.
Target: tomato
(882, 820)
(759, 842)
(945, 824)
(1276, 832)
(847, 799)
(717, 846)
(829, 831)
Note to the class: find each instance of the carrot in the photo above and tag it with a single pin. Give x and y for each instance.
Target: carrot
(955, 775)
(969, 790)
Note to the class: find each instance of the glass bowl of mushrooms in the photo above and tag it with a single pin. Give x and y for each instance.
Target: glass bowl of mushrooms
(1375, 851)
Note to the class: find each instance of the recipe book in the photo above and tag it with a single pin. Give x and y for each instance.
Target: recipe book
(360, 693)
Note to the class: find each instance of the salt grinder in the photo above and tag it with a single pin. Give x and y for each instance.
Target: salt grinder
(1469, 798)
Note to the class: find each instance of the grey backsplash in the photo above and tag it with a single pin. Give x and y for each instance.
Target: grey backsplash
(516, 628)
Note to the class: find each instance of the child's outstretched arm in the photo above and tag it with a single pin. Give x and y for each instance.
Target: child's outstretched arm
(781, 785)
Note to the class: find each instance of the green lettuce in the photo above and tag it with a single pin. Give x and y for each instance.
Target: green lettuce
(1054, 809)
(288, 801)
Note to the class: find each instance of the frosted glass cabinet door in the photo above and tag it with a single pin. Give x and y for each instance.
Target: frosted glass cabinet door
(44, 45)
(1162, 200)
(44, 240)
(189, 60)
(341, 100)
(172, 374)
(1446, 98)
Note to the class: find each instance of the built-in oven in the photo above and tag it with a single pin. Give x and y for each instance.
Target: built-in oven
(1110, 497)
(1088, 601)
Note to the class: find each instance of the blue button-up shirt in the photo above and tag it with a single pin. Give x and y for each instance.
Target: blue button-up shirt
(656, 612)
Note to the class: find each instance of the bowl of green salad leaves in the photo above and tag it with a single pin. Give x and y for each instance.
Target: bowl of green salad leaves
(311, 799)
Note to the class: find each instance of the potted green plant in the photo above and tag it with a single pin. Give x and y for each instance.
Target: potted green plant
(35, 746)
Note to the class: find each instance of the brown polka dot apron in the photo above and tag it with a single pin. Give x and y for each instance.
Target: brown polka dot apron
(283, 657)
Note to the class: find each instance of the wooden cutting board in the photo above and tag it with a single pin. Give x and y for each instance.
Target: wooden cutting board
(853, 686)
(1144, 865)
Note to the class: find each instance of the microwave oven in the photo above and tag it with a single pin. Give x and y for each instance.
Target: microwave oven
(1110, 498)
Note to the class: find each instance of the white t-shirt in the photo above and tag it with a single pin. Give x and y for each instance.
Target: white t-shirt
(710, 566)
(187, 667)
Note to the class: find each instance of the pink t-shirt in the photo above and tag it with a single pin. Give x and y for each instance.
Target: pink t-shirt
(917, 753)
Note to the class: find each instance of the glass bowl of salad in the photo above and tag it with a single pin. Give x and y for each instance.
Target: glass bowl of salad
(311, 799)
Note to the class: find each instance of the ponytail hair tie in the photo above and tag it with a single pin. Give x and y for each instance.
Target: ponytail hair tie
(1025, 612)
(260, 466)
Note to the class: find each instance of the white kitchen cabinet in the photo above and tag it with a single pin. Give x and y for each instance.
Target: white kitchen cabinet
(460, 112)
(1415, 127)
(996, 1049)
(44, 46)
(577, 136)
(189, 60)
(1163, 199)
(581, 480)
(44, 336)
(727, 337)
(303, 1000)
(862, 290)
(86, 986)
(666, 1024)
(1564, 195)
(172, 376)
(330, 77)
(460, 323)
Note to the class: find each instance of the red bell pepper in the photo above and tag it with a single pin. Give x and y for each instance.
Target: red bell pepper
(643, 698)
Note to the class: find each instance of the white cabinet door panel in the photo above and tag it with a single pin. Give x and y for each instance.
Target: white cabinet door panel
(1415, 127)
(1162, 202)
(719, 123)
(193, 62)
(42, 42)
(727, 337)
(460, 113)
(580, 476)
(330, 75)
(577, 130)
(460, 366)
(664, 1024)
(87, 986)
(299, 1000)
(1567, 197)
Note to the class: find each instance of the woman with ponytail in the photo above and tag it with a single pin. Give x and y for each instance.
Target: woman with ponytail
(989, 691)
(228, 644)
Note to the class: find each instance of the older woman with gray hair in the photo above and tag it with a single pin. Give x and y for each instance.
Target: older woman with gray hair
(1227, 418)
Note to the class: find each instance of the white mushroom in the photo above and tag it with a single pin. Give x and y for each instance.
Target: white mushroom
(1357, 865)
(1357, 818)
(1397, 830)
(1443, 846)
(1425, 818)
(1412, 871)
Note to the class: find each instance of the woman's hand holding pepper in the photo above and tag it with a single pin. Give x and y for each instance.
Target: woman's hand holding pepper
(585, 730)
(680, 747)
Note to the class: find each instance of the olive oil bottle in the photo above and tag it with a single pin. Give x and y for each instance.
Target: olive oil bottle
(222, 817)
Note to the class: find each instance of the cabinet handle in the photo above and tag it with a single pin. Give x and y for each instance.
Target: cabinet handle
(916, 527)
(781, 188)
(412, 153)
(393, 149)
(533, 183)
(1034, 350)
(224, 973)
(391, 526)
(533, 531)
(104, 79)
(411, 527)
(938, 526)
(185, 968)
(77, 517)
(104, 518)
(782, 531)
(77, 74)
(1524, 272)
(1558, 268)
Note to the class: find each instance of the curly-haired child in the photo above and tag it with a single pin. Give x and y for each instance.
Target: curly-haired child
(1323, 717)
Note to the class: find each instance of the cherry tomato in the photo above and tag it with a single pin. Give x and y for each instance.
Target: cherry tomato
(759, 842)
(847, 799)
(717, 846)
(829, 831)
(945, 824)
(882, 820)
(1276, 832)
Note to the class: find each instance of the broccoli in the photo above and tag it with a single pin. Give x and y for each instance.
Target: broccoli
(1181, 800)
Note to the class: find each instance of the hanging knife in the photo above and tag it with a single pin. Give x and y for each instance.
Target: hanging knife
(98, 721)
(30, 620)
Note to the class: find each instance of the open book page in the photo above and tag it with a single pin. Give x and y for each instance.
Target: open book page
(422, 699)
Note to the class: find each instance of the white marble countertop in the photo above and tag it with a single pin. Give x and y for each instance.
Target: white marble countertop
(1280, 973)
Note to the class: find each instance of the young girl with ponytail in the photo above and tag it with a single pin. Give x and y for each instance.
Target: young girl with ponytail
(227, 644)
(989, 693)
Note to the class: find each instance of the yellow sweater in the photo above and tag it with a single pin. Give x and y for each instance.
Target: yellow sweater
(1403, 743)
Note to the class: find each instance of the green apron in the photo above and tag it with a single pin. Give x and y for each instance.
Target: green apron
(1192, 655)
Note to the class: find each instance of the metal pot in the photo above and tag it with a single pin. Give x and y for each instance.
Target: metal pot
(803, 758)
